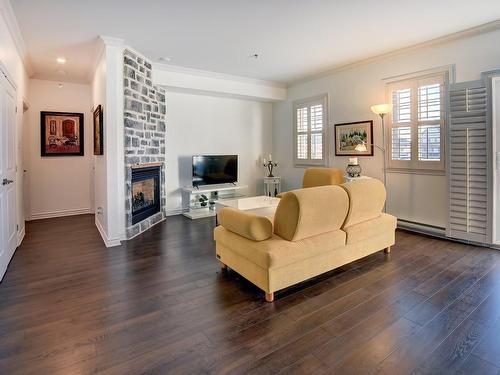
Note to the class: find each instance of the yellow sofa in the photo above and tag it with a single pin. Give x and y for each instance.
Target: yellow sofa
(315, 230)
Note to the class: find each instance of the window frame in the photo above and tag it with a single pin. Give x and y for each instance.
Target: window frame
(414, 81)
(322, 99)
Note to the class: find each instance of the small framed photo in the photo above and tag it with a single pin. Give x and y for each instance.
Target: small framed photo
(98, 131)
(349, 135)
(61, 134)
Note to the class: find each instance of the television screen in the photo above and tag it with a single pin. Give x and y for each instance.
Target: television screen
(215, 169)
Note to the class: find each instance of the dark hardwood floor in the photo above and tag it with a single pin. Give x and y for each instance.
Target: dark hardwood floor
(160, 305)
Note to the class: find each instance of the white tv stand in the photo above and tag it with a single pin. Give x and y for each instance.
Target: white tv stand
(213, 193)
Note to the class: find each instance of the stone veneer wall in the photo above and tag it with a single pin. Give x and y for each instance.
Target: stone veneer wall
(144, 126)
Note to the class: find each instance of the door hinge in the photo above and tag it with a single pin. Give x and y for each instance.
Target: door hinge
(16, 109)
(17, 227)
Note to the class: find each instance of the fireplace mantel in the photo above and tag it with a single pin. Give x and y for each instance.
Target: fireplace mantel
(145, 165)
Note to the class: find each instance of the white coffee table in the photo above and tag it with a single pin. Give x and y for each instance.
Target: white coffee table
(260, 205)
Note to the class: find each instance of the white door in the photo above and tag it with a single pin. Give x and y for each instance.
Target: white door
(8, 227)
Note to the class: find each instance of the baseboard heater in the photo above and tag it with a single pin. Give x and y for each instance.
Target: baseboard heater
(435, 231)
(427, 229)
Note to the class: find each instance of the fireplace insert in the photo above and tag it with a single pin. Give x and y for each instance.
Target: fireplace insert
(145, 192)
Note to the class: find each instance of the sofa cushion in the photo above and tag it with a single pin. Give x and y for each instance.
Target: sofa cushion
(276, 252)
(365, 230)
(248, 225)
(308, 212)
(366, 200)
(322, 176)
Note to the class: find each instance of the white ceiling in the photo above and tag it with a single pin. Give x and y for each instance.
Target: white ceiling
(294, 38)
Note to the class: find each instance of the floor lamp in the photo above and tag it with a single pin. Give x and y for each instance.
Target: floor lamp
(381, 110)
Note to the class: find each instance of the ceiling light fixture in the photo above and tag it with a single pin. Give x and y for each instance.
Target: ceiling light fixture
(254, 56)
(60, 85)
(61, 60)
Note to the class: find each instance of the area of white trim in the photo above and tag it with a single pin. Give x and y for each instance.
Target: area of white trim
(210, 74)
(206, 82)
(477, 30)
(61, 213)
(11, 21)
(108, 242)
(495, 124)
(20, 235)
(450, 69)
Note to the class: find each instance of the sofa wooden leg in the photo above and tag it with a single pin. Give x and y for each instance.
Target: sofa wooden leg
(223, 266)
(387, 250)
(269, 297)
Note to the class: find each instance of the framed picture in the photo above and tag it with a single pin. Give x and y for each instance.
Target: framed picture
(350, 134)
(61, 134)
(98, 131)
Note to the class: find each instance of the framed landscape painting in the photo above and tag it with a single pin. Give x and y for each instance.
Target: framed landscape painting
(98, 131)
(349, 135)
(61, 134)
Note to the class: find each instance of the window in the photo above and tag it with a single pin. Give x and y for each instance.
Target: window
(310, 125)
(416, 124)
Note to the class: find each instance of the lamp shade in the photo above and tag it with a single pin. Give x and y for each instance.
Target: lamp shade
(360, 147)
(381, 109)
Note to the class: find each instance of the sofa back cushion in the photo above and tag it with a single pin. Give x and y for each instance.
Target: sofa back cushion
(308, 212)
(366, 200)
(246, 224)
(322, 176)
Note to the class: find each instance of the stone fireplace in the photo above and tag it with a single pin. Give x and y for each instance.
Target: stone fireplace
(144, 143)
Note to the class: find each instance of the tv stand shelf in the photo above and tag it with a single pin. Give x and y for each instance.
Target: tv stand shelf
(213, 193)
(210, 188)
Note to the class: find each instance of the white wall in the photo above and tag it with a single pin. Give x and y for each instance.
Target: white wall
(100, 198)
(58, 186)
(107, 90)
(11, 60)
(200, 124)
(419, 198)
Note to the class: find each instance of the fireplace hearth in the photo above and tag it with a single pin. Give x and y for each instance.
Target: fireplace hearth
(145, 193)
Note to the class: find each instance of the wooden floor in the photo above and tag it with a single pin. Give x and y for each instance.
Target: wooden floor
(160, 305)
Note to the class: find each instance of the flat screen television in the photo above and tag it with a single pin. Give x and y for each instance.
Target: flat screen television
(214, 169)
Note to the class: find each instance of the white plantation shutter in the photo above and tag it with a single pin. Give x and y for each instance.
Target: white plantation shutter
(468, 162)
(401, 143)
(417, 123)
(310, 131)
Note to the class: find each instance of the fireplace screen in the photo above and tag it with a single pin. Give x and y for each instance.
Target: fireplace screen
(145, 193)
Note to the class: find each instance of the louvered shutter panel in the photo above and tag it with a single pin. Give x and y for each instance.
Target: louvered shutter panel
(468, 162)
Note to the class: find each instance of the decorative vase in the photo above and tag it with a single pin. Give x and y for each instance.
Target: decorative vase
(353, 170)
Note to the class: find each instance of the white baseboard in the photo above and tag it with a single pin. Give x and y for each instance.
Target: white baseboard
(20, 235)
(109, 242)
(62, 213)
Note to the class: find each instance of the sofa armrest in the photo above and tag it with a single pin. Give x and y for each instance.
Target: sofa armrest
(248, 225)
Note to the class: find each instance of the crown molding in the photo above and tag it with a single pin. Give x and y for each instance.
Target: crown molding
(216, 75)
(467, 33)
(15, 32)
(112, 41)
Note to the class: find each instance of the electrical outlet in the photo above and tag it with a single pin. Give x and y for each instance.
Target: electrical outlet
(100, 210)
(498, 160)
